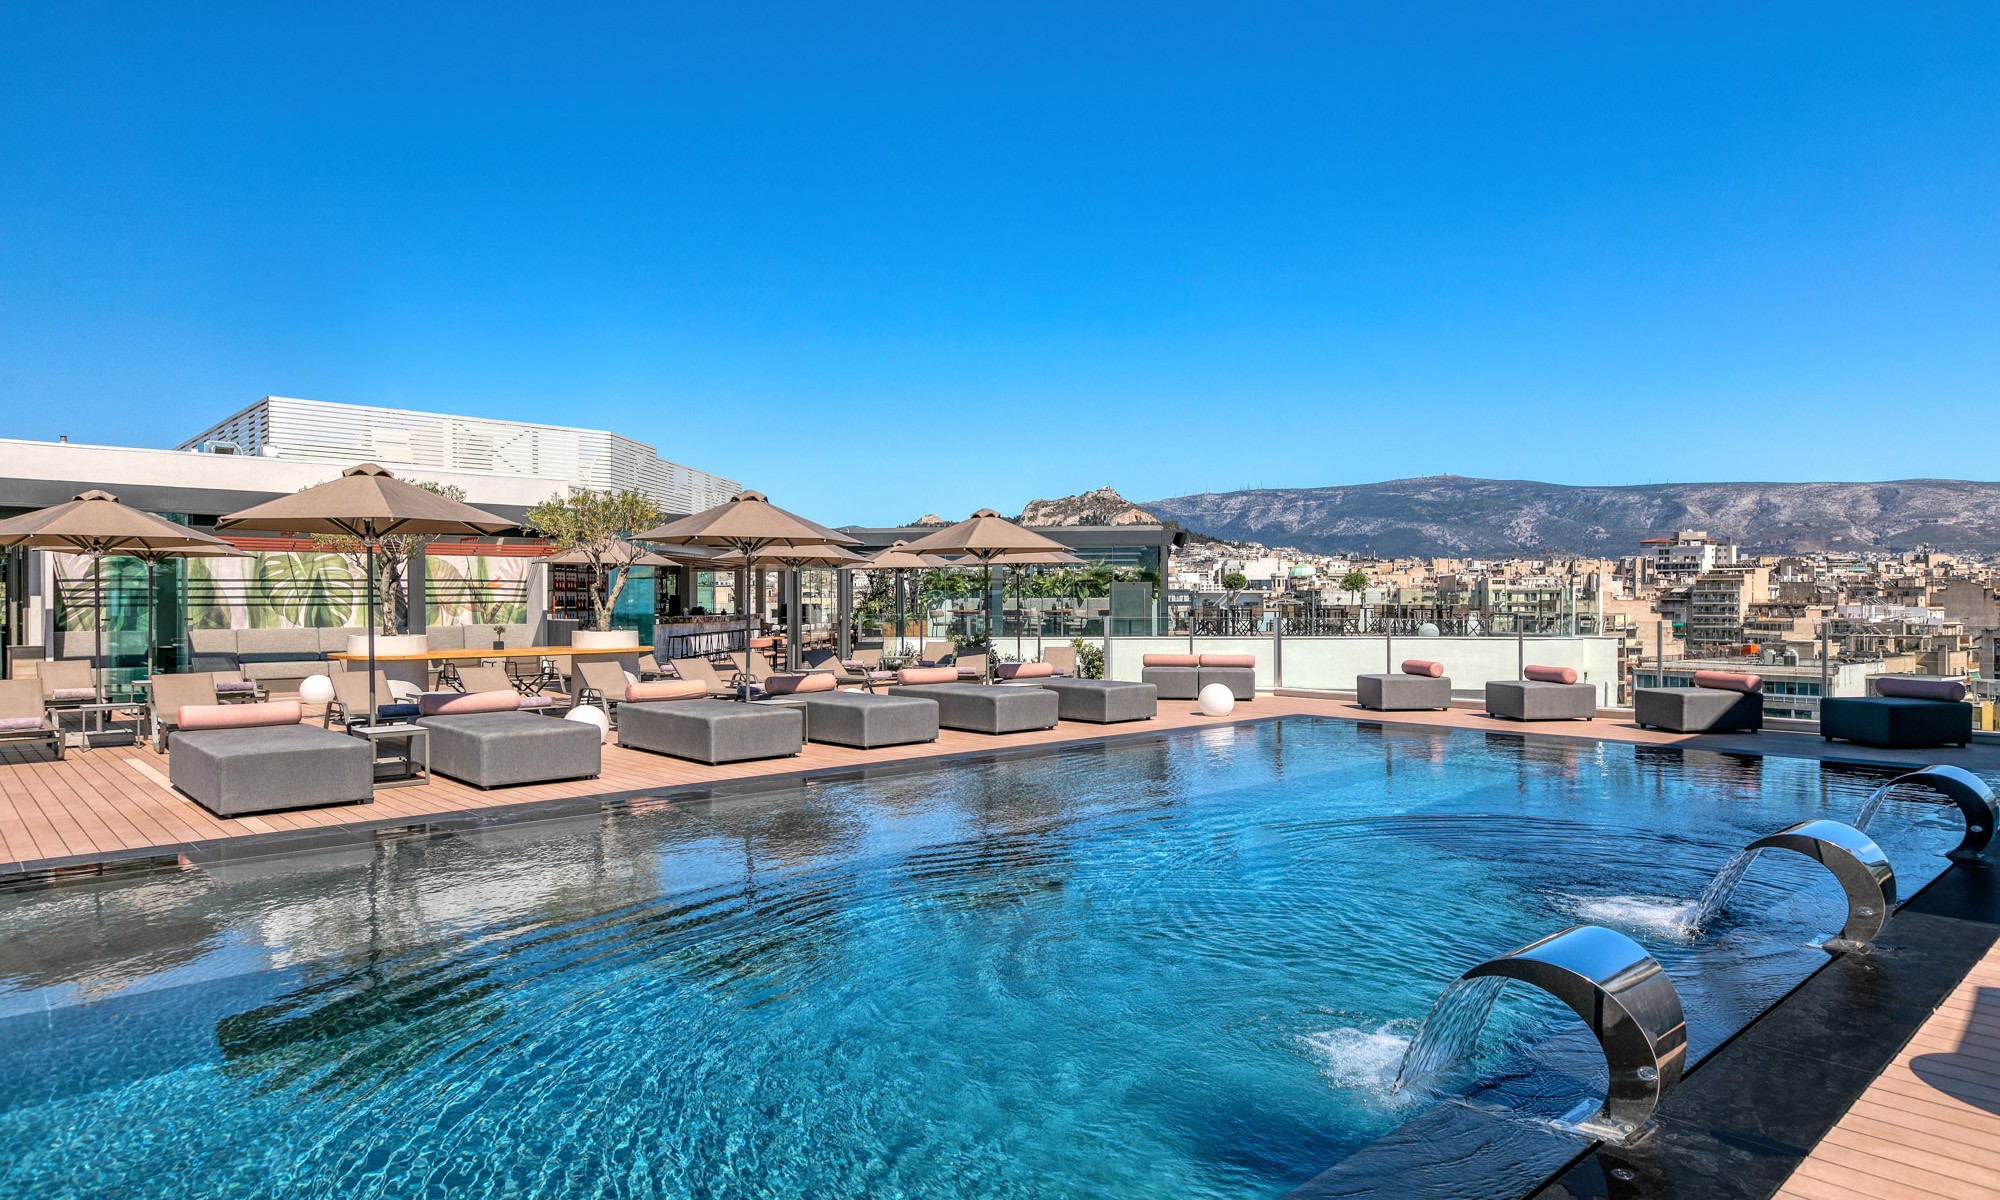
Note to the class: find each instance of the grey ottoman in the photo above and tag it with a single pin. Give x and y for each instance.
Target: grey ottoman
(864, 721)
(1241, 681)
(497, 749)
(1402, 692)
(1697, 709)
(235, 772)
(1878, 721)
(1173, 683)
(1103, 701)
(1532, 700)
(977, 708)
(713, 731)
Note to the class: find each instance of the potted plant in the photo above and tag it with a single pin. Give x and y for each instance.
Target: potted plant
(594, 525)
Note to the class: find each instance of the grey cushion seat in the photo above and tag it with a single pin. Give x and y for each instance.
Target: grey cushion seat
(235, 772)
(712, 731)
(1103, 701)
(497, 749)
(978, 708)
(1895, 721)
(865, 721)
(1402, 692)
(1173, 683)
(1697, 709)
(1533, 700)
(1241, 681)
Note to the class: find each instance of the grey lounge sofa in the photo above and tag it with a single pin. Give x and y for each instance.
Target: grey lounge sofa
(1697, 710)
(1534, 700)
(499, 749)
(236, 772)
(713, 731)
(1402, 692)
(866, 721)
(980, 708)
(1895, 721)
(1103, 701)
(1173, 683)
(1241, 681)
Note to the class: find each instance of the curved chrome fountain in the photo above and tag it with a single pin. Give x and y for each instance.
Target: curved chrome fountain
(1856, 863)
(1621, 992)
(1973, 796)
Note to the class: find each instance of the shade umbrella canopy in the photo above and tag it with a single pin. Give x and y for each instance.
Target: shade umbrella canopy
(985, 537)
(899, 558)
(746, 519)
(94, 523)
(369, 504)
(793, 556)
(624, 554)
(366, 502)
(751, 525)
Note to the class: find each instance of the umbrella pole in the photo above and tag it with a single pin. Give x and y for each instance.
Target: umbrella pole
(369, 570)
(97, 600)
(899, 613)
(989, 620)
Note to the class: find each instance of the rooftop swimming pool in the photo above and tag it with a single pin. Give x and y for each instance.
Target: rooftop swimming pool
(1183, 966)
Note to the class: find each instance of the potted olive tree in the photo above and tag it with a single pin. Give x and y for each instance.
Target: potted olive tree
(590, 527)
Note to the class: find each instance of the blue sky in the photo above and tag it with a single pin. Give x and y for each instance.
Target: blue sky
(880, 260)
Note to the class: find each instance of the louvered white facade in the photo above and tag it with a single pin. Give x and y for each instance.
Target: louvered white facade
(319, 431)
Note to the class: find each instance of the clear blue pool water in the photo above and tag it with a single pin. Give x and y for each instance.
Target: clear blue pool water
(1182, 968)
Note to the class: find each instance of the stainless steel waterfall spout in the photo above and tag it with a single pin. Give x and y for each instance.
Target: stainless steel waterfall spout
(1629, 1003)
(1856, 862)
(1972, 795)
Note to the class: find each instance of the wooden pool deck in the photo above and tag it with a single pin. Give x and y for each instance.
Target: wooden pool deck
(1929, 1126)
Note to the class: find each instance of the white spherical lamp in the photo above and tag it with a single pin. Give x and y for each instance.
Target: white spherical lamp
(1217, 700)
(590, 714)
(1427, 630)
(316, 689)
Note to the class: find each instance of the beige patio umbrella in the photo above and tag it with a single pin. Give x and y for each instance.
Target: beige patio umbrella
(1015, 560)
(753, 527)
(898, 559)
(985, 538)
(795, 557)
(94, 523)
(368, 504)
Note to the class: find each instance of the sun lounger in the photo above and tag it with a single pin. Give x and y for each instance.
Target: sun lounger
(238, 759)
(703, 671)
(978, 707)
(1719, 701)
(1420, 685)
(1546, 694)
(66, 682)
(714, 731)
(1102, 701)
(170, 694)
(484, 739)
(350, 701)
(603, 683)
(1906, 713)
(495, 679)
(24, 715)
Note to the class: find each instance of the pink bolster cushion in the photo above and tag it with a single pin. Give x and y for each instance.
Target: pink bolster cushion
(1418, 666)
(1550, 674)
(1730, 681)
(1171, 660)
(792, 685)
(1026, 670)
(1228, 660)
(445, 704)
(665, 689)
(239, 716)
(1920, 689)
(927, 675)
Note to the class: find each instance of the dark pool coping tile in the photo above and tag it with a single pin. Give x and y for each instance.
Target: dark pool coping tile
(1449, 1152)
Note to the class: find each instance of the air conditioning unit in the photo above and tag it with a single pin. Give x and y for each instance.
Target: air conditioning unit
(221, 446)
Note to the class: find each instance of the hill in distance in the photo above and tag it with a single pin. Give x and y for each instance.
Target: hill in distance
(1453, 516)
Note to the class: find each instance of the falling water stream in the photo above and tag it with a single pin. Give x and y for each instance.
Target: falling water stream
(1715, 897)
(1450, 1030)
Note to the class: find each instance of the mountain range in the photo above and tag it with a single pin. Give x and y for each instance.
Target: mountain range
(1453, 516)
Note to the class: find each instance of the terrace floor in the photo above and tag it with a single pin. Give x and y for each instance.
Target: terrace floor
(112, 803)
